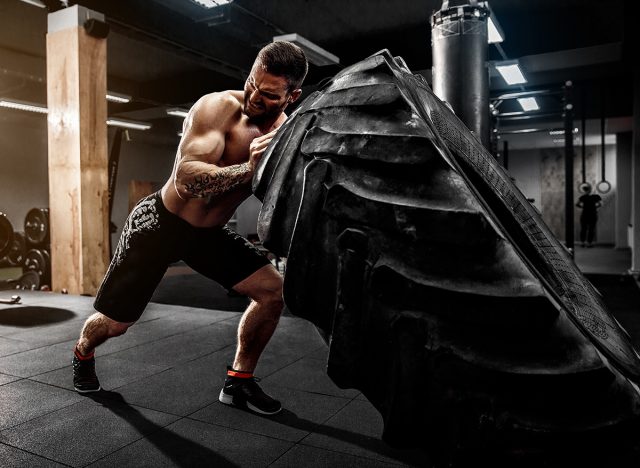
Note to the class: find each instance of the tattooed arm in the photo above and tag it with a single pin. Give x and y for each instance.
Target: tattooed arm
(198, 174)
(199, 180)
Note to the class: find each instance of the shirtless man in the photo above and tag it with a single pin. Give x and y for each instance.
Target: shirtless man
(224, 137)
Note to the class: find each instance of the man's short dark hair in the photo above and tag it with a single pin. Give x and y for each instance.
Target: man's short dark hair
(283, 58)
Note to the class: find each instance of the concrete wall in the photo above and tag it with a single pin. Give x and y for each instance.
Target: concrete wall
(524, 167)
(24, 181)
(539, 174)
(606, 232)
(138, 161)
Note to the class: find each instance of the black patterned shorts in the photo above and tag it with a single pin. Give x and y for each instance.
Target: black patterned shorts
(151, 240)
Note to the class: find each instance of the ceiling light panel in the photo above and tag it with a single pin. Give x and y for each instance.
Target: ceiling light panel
(529, 104)
(22, 105)
(132, 124)
(211, 3)
(494, 35)
(314, 53)
(118, 97)
(37, 3)
(511, 73)
(177, 112)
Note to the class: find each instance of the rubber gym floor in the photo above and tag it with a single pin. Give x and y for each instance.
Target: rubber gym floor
(161, 382)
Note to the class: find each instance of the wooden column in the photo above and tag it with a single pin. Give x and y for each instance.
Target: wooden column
(78, 155)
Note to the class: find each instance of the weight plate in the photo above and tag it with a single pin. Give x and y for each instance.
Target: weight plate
(36, 226)
(15, 257)
(29, 280)
(36, 261)
(46, 279)
(6, 235)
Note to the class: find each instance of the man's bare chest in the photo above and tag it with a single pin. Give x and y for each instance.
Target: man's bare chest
(237, 142)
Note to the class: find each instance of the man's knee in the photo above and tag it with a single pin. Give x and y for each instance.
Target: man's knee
(269, 294)
(271, 302)
(118, 328)
(273, 299)
(112, 327)
(263, 287)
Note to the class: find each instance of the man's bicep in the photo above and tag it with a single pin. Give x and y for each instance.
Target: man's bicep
(199, 155)
(205, 129)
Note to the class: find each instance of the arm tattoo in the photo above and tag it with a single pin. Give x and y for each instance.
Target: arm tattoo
(222, 181)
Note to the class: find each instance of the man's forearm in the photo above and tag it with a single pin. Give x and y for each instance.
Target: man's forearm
(197, 184)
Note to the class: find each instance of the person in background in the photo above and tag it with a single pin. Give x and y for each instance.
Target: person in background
(589, 217)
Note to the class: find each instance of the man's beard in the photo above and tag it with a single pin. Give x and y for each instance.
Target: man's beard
(261, 114)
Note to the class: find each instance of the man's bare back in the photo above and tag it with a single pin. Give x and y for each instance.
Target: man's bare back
(215, 160)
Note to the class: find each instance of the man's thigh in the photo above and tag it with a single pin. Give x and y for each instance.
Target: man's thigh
(225, 257)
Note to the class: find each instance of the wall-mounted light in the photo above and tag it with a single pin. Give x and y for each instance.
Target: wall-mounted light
(132, 124)
(529, 104)
(23, 105)
(118, 97)
(511, 72)
(315, 54)
(177, 112)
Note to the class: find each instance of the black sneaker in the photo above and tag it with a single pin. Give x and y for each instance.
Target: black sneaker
(246, 393)
(85, 379)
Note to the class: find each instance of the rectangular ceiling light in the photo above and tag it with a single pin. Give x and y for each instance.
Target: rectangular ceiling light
(494, 35)
(133, 124)
(529, 104)
(494, 31)
(212, 3)
(178, 112)
(315, 54)
(118, 97)
(511, 73)
(22, 105)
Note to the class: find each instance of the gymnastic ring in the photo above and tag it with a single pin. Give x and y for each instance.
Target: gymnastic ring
(603, 187)
(584, 187)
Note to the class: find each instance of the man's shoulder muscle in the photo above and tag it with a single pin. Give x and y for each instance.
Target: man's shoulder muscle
(219, 110)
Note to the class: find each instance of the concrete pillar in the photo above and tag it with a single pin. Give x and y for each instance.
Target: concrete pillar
(623, 189)
(78, 156)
